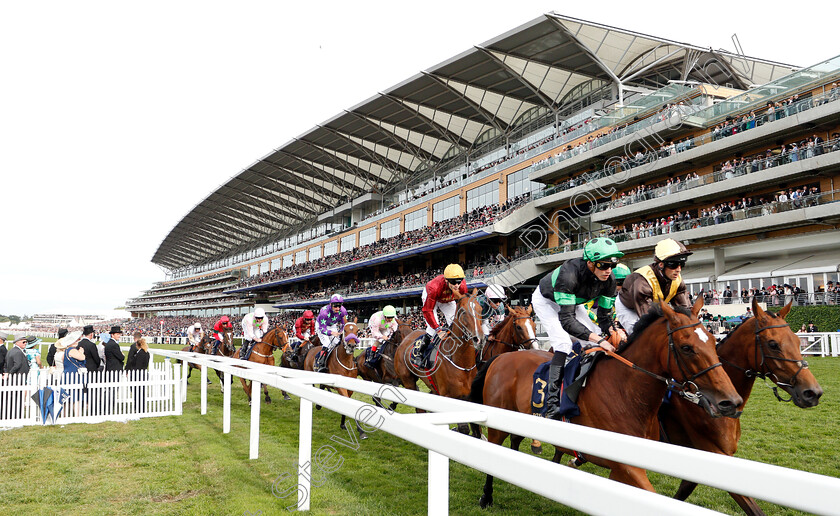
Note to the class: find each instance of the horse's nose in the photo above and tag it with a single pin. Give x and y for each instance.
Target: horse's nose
(812, 396)
(729, 407)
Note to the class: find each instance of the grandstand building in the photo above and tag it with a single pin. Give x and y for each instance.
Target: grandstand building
(508, 157)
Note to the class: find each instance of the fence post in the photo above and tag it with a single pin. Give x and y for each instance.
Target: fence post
(185, 369)
(226, 408)
(176, 389)
(203, 390)
(255, 420)
(438, 484)
(304, 454)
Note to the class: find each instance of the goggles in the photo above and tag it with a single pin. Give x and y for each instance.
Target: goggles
(604, 266)
(453, 281)
(673, 264)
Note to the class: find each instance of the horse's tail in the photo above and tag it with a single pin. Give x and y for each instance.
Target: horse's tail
(477, 389)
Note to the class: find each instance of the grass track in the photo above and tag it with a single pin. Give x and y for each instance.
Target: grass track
(186, 465)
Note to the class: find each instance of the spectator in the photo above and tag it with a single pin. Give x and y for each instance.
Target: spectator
(138, 363)
(92, 360)
(62, 332)
(113, 355)
(3, 351)
(812, 328)
(16, 361)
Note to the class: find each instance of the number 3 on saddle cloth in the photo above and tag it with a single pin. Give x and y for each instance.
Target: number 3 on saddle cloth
(424, 360)
(578, 367)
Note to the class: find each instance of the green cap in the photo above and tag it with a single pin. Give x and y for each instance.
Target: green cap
(389, 311)
(621, 271)
(601, 250)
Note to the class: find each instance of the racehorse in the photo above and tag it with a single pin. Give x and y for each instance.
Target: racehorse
(764, 347)
(226, 348)
(341, 362)
(619, 398)
(295, 359)
(201, 348)
(263, 353)
(454, 368)
(384, 371)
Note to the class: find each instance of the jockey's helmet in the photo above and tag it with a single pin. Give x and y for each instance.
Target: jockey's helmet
(601, 249)
(389, 311)
(671, 250)
(495, 292)
(453, 271)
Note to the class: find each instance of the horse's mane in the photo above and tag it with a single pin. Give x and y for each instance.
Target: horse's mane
(494, 332)
(653, 315)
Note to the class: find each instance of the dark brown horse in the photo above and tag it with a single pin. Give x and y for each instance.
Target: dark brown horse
(384, 372)
(619, 398)
(294, 359)
(764, 347)
(454, 369)
(341, 362)
(263, 353)
(201, 348)
(226, 348)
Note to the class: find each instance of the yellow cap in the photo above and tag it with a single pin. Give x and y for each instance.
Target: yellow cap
(453, 271)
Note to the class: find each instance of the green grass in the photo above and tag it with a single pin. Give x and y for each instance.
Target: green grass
(186, 465)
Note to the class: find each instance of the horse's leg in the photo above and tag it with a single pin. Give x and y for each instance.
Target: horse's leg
(486, 499)
(630, 475)
(685, 489)
(286, 396)
(558, 455)
(362, 434)
(247, 388)
(747, 504)
(475, 431)
(342, 425)
(267, 397)
(515, 441)
(536, 447)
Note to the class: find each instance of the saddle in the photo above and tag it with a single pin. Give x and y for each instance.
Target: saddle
(426, 359)
(578, 367)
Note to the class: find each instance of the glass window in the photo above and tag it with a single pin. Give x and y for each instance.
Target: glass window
(300, 256)
(484, 195)
(287, 261)
(366, 236)
(330, 248)
(518, 183)
(416, 219)
(446, 209)
(314, 253)
(264, 267)
(254, 270)
(348, 243)
(391, 228)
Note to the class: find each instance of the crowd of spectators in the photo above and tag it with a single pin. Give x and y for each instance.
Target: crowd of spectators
(475, 219)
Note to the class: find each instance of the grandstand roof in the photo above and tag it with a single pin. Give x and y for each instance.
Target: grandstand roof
(390, 138)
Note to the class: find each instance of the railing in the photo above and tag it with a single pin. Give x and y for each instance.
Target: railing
(822, 344)
(89, 397)
(556, 482)
(681, 146)
(778, 299)
(755, 165)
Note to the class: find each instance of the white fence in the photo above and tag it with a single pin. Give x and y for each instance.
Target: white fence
(89, 397)
(824, 344)
(583, 491)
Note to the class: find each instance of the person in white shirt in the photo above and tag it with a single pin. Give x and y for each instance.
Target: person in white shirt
(194, 335)
(254, 326)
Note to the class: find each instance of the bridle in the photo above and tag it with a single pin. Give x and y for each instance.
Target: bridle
(761, 370)
(513, 346)
(461, 338)
(271, 347)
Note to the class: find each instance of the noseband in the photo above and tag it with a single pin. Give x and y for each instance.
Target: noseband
(515, 347)
(761, 370)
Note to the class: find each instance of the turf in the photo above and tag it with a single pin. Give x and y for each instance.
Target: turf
(186, 465)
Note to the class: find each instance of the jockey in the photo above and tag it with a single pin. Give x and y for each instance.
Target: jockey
(194, 335)
(254, 326)
(440, 293)
(620, 273)
(304, 328)
(222, 326)
(492, 304)
(382, 325)
(559, 303)
(659, 281)
(331, 321)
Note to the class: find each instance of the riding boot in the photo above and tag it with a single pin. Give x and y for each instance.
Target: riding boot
(420, 351)
(321, 365)
(245, 350)
(555, 384)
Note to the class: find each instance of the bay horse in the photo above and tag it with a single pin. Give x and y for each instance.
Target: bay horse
(619, 398)
(454, 369)
(263, 353)
(295, 359)
(384, 372)
(200, 348)
(226, 348)
(341, 362)
(762, 346)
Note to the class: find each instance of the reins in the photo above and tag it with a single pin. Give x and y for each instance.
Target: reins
(760, 370)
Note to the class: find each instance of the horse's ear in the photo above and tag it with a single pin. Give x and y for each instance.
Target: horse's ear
(474, 292)
(698, 305)
(355, 319)
(508, 308)
(756, 308)
(785, 309)
(530, 309)
(669, 313)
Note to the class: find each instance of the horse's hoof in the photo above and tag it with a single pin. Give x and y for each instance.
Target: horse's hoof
(483, 437)
(317, 407)
(287, 397)
(536, 450)
(485, 502)
(572, 463)
(362, 436)
(268, 400)
(342, 426)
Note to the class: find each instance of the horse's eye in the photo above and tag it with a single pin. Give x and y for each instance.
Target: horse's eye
(773, 345)
(688, 350)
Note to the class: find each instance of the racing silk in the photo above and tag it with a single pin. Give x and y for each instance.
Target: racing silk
(219, 330)
(438, 291)
(251, 330)
(647, 285)
(574, 284)
(327, 318)
(381, 329)
(488, 313)
(193, 336)
(302, 330)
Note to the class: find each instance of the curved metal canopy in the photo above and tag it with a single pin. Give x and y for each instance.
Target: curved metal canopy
(385, 140)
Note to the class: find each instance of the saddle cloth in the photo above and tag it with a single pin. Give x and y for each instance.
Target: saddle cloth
(578, 367)
(428, 356)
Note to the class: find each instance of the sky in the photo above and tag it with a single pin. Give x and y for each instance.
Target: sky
(116, 118)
